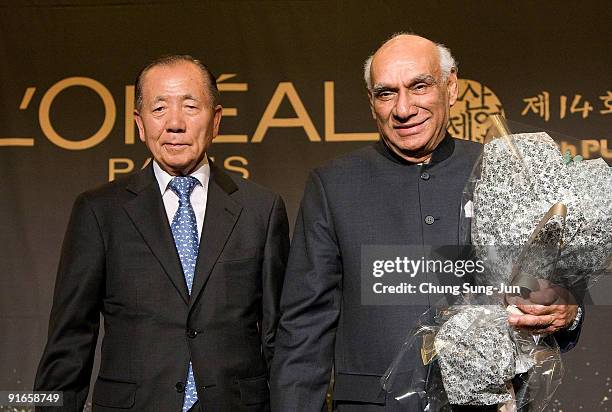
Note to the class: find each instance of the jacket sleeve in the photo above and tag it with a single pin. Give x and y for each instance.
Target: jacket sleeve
(276, 251)
(310, 308)
(67, 359)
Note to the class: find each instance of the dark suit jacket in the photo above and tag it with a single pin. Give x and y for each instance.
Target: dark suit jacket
(119, 259)
(368, 197)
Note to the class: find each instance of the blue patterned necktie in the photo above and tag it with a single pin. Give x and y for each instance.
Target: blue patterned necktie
(185, 232)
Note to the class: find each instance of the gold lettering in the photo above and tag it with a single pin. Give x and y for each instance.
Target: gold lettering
(230, 87)
(330, 122)
(302, 120)
(129, 115)
(119, 165)
(227, 164)
(16, 141)
(566, 146)
(605, 153)
(231, 111)
(562, 106)
(231, 138)
(27, 98)
(539, 105)
(91, 141)
(584, 109)
(589, 146)
(606, 100)
(21, 141)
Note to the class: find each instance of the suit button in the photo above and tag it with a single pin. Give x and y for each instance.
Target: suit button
(429, 219)
(192, 333)
(180, 387)
(425, 176)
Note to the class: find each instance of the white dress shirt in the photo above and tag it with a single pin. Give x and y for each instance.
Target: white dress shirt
(198, 196)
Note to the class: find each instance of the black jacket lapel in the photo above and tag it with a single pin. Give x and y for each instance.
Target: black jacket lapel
(147, 212)
(222, 213)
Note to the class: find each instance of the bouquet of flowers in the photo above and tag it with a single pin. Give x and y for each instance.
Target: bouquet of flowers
(535, 217)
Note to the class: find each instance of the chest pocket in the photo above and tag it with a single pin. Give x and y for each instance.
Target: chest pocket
(230, 254)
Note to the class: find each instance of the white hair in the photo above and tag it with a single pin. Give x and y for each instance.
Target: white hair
(447, 61)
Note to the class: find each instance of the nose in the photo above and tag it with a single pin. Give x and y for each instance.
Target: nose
(175, 122)
(404, 107)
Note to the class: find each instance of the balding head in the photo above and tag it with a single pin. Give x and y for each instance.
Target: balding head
(446, 61)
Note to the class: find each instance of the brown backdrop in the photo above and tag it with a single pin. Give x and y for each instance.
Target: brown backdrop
(291, 82)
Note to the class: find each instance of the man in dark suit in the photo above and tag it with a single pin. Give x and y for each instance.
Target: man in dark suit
(184, 262)
(404, 190)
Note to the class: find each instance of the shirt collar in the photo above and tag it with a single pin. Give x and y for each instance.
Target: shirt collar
(202, 173)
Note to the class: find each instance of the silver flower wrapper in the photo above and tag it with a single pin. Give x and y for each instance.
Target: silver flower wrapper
(477, 356)
(471, 356)
(522, 177)
(534, 219)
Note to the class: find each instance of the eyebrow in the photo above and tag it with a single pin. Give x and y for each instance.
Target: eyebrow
(189, 97)
(184, 97)
(379, 88)
(421, 78)
(424, 78)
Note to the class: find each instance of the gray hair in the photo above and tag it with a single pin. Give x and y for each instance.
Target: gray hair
(447, 61)
(169, 60)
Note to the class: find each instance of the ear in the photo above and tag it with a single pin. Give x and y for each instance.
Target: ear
(371, 101)
(453, 87)
(138, 120)
(217, 120)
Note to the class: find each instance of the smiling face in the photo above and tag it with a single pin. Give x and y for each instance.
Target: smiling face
(409, 98)
(177, 120)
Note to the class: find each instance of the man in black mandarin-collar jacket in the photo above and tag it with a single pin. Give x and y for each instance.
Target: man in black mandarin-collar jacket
(405, 190)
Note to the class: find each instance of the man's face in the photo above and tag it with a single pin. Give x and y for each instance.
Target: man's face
(409, 99)
(177, 121)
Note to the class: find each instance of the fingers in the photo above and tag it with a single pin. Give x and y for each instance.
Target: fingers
(544, 324)
(539, 310)
(543, 319)
(531, 321)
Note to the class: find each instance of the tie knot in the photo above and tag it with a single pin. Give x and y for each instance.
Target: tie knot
(183, 186)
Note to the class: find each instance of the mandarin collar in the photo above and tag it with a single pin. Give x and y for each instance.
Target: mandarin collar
(443, 151)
